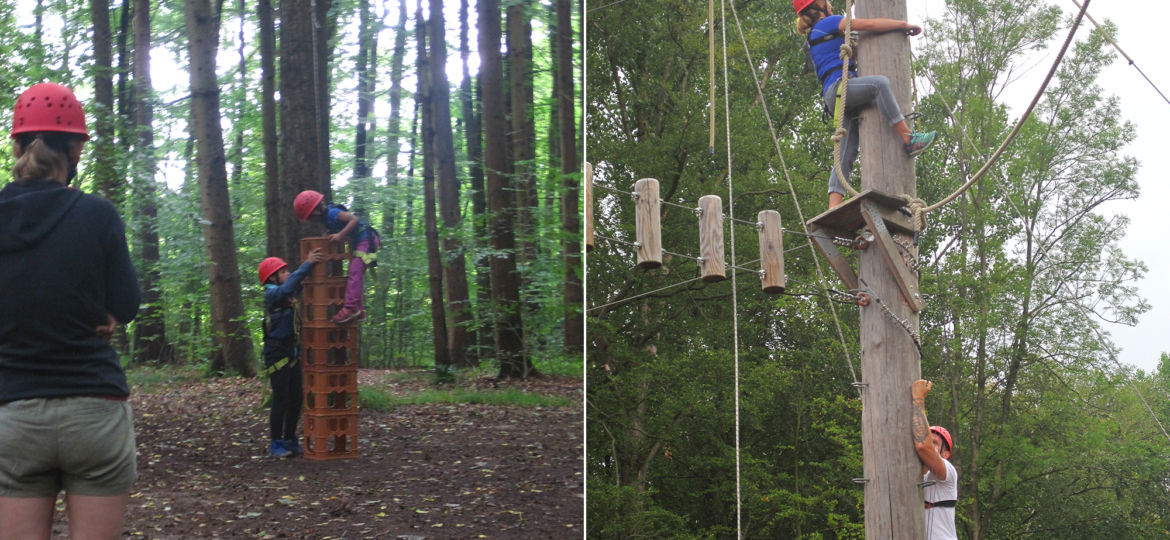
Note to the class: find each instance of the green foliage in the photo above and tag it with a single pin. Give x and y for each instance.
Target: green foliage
(148, 378)
(1023, 377)
(375, 399)
(491, 397)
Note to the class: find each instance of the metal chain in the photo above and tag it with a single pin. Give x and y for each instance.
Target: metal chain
(912, 258)
(914, 335)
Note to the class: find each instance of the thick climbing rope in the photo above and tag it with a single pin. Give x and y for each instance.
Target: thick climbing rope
(734, 287)
(842, 91)
(918, 207)
(795, 200)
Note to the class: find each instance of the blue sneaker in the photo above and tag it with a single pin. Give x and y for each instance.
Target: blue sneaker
(294, 447)
(277, 450)
(919, 142)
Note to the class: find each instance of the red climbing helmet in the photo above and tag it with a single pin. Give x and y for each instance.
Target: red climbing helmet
(270, 266)
(305, 202)
(48, 107)
(946, 436)
(799, 5)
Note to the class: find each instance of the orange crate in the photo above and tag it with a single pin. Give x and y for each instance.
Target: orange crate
(329, 347)
(331, 436)
(329, 335)
(320, 300)
(334, 392)
(335, 256)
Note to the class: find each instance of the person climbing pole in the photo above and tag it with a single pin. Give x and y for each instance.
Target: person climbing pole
(281, 362)
(344, 226)
(934, 445)
(824, 34)
(67, 281)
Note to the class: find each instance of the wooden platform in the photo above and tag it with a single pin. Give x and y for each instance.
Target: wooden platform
(880, 213)
(846, 219)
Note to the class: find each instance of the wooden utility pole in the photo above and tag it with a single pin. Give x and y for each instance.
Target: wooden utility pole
(889, 358)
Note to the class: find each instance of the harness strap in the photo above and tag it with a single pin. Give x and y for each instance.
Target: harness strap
(280, 364)
(940, 504)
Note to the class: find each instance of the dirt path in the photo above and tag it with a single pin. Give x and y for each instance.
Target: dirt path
(424, 471)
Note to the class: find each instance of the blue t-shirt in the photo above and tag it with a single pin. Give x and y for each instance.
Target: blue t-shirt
(827, 54)
(334, 224)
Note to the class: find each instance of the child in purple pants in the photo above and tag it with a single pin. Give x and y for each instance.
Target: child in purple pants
(363, 241)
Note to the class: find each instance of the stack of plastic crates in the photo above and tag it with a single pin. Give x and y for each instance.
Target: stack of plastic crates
(329, 353)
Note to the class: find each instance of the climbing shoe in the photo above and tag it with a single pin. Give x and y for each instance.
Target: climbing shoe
(277, 450)
(294, 447)
(347, 314)
(919, 142)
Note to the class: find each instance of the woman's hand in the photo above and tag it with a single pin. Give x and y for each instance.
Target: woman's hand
(913, 30)
(106, 331)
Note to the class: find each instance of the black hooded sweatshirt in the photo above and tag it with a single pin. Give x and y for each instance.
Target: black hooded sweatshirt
(63, 266)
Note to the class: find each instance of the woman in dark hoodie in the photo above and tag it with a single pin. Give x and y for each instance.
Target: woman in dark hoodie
(65, 281)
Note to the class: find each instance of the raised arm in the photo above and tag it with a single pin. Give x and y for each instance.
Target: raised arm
(882, 25)
(351, 222)
(921, 428)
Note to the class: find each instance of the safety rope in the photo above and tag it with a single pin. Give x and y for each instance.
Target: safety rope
(792, 190)
(734, 284)
(1101, 339)
(1127, 58)
(711, 74)
(918, 207)
(842, 91)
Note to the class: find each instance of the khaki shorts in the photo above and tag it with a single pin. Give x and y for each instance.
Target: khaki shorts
(83, 445)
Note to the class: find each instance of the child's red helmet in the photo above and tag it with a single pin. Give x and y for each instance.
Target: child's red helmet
(270, 266)
(799, 5)
(305, 202)
(946, 436)
(48, 107)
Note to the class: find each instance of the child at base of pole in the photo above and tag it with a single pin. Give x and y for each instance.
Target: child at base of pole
(344, 226)
(280, 350)
(825, 35)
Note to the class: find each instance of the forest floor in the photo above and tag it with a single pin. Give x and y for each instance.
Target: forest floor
(436, 470)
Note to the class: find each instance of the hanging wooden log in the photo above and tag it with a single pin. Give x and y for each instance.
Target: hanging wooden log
(771, 252)
(711, 265)
(588, 207)
(648, 220)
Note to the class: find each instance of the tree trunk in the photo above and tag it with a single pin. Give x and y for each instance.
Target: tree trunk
(123, 91)
(571, 219)
(508, 324)
(150, 336)
(443, 150)
(300, 147)
(277, 202)
(406, 286)
(483, 344)
(365, 72)
(520, 79)
(105, 172)
(232, 341)
(435, 265)
(321, 32)
(393, 150)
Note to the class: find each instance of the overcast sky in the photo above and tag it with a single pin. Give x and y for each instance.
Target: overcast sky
(1146, 240)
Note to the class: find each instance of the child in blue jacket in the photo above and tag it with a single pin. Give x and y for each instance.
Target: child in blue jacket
(280, 350)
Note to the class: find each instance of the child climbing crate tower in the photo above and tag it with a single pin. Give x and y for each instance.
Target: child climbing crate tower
(329, 352)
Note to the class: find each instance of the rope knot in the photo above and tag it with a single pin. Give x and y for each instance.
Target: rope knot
(917, 209)
(839, 134)
(846, 51)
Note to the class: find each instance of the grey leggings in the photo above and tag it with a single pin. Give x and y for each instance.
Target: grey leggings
(862, 92)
